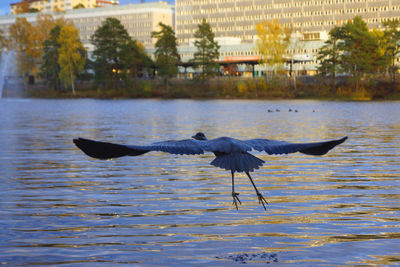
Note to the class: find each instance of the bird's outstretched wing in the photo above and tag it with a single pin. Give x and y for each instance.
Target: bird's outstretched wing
(282, 147)
(104, 150)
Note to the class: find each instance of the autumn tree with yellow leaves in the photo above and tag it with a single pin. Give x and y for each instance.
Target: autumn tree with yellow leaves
(273, 40)
(26, 45)
(3, 41)
(27, 41)
(72, 55)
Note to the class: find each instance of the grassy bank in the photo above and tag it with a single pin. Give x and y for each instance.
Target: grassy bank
(252, 88)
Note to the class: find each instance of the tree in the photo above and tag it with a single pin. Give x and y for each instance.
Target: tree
(43, 26)
(273, 40)
(135, 59)
(360, 50)
(27, 40)
(207, 50)
(3, 41)
(166, 54)
(50, 67)
(24, 42)
(392, 38)
(110, 41)
(72, 56)
(79, 6)
(329, 55)
(383, 59)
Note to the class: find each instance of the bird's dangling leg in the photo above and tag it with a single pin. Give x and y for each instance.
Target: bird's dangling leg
(234, 194)
(261, 199)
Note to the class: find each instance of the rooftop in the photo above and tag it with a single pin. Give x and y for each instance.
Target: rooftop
(86, 11)
(30, 1)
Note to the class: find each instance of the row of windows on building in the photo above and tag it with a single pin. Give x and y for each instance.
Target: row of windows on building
(121, 18)
(131, 26)
(223, 54)
(285, 13)
(295, 3)
(140, 37)
(295, 25)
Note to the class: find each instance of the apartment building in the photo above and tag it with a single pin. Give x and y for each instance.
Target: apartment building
(62, 5)
(232, 18)
(138, 19)
(233, 23)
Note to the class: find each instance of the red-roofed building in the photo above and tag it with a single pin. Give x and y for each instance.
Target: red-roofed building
(57, 5)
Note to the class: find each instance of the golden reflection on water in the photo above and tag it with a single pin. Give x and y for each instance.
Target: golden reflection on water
(61, 207)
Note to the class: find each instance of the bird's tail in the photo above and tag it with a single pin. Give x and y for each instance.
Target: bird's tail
(239, 162)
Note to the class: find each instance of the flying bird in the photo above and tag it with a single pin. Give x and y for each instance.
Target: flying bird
(230, 153)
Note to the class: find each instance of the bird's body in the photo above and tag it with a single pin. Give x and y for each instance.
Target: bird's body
(231, 154)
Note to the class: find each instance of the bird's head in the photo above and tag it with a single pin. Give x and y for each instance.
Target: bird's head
(199, 136)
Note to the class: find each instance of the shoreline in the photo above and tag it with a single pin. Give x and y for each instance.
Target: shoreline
(221, 89)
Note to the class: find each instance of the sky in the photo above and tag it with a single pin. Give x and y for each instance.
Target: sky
(5, 4)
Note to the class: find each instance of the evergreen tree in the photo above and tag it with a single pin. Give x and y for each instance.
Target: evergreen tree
(360, 50)
(109, 40)
(166, 54)
(207, 51)
(329, 55)
(50, 67)
(135, 60)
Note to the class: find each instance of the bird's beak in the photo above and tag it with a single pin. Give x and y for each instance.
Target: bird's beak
(192, 136)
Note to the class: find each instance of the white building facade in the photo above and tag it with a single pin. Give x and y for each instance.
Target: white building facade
(138, 19)
(62, 5)
(310, 20)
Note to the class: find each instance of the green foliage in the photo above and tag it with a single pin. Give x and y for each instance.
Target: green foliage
(166, 54)
(354, 49)
(207, 52)
(50, 67)
(360, 49)
(110, 41)
(329, 54)
(117, 58)
(134, 61)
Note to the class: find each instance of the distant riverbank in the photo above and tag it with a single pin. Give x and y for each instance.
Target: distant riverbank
(237, 88)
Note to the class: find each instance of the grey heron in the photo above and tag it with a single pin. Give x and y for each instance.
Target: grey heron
(230, 153)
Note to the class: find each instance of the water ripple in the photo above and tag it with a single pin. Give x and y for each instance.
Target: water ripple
(60, 207)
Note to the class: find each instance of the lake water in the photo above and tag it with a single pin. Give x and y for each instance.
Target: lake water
(58, 206)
